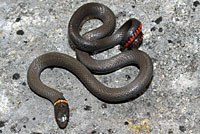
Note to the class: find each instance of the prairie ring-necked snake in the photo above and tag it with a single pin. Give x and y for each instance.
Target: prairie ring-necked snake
(129, 36)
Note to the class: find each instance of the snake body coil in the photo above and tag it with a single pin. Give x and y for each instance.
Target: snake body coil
(97, 40)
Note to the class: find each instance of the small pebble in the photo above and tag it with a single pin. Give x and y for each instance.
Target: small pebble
(93, 132)
(103, 106)
(24, 83)
(2, 124)
(170, 41)
(87, 108)
(16, 76)
(18, 19)
(153, 28)
(170, 131)
(128, 77)
(148, 104)
(126, 123)
(20, 32)
(182, 128)
(160, 29)
(196, 3)
(110, 131)
(158, 20)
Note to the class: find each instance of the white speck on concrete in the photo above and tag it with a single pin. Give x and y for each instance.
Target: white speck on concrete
(184, 81)
(4, 108)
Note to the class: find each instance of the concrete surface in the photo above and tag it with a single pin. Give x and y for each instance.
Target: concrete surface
(29, 28)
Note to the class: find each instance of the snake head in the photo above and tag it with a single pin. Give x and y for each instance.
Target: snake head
(134, 35)
(61, 111)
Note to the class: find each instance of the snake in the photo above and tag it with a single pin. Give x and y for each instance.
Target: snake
(129, 36)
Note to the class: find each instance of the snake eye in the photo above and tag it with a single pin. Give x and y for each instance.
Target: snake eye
(61, 111)
(134, 34)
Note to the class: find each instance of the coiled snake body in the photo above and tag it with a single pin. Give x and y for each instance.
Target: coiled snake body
(97, 40)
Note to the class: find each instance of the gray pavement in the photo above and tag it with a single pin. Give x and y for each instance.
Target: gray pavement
(29, 28)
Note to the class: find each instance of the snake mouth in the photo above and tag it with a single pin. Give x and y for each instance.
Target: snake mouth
(61, 110)
(134, 35)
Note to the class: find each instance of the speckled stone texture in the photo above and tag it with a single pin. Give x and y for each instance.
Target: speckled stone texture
(29, 28)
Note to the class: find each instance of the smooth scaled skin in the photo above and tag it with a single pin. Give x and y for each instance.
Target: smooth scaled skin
(94, 41)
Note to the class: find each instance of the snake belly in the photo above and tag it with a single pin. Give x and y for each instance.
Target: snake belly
(95, 41)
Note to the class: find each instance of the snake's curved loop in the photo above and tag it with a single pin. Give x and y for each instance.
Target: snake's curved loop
(94, 41)
(100, 39)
